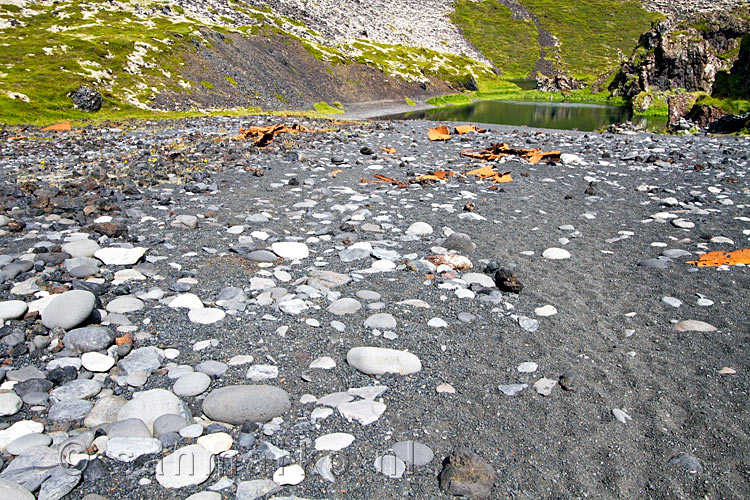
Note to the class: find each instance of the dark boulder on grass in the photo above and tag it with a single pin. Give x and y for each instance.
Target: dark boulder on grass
(87, 99)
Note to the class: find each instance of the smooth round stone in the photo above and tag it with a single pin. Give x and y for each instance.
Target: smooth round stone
(150, 405)
(10, 404)
(191, 384)
(333, 442)
(682, 223)
(437, 323)
(23, 443)
(368, 295)
(124, 305)
(68, 310)
(390, 466)
(693, 325)
(216, 443)
(236, 404)
(186, 301)
(129, 428)
(90, 338)
(290, 250)
(169, 423)
(236, 229)
(256, 489)
(206, 316)
(71, 409)
(97, 362)
(213, 368)
(419, 229)
(675, 253)
(261, 256)
(545, 311)
(383, 321)
(117, 256)
(413, 453)
(14, 491)
(556, 254)
(179, 371)
(344, 306)
(291, 475)
(171, 473)
(105, 411)
(378, 361)
(145, 359)
(323, 363)
(80, 272)
(465, 317)
(19, 429)
(12, 309)
(191, 431)
(688, 462)
(81, 248)
(527, 367)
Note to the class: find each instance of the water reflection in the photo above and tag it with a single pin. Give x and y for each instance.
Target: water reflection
(567, 116)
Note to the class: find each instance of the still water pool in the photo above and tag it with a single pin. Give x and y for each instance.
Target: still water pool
(556, 115)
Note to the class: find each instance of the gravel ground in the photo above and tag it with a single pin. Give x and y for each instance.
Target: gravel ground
(610, 204)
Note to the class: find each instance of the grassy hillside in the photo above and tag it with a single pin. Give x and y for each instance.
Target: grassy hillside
(591, 34)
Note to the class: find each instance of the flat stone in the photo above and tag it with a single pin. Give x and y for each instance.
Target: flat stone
(621, 416)
(512, 389)
(255, 489)
(68, 310)
(261, 256)
(128, 428)
(76, 389)
(694, 325)
(479, 279)
(544, 386)
(293, 306)
(172, 471)
(320, 279)
(390, 466)
(206, 316)
(671, 301)
(419, 229)
(169, 423)
(413, 453)
(186, 301)
(556, 254)
(105, 411)
(150, 405)
(204, 495)
(687, 462)
(290, 474)
(381, 321)
(27, 442)
(81, 248)
(216, 368)
(258, 373)
(124, 305)
(185, 222)
(12, 309)
(527, 367)
(71, 409)
(344, 306)
(116, 256)
(97, 362)
(378, 361)
(145, 359)
(216, 443)
(290, 250)
(126, 449)
(545, 311)
(236, 404)
(191, 384)
(323, 363)
(363, 411)
(18, 429)
(334, 441)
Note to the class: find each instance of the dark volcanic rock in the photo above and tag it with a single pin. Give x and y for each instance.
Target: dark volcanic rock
(507, 281)
(467, 474)
(87, 99)
(556, 83)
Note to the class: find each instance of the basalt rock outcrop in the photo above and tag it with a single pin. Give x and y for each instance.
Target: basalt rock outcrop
(685, 56)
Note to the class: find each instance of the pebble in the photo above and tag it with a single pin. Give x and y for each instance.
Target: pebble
(323, 363)
(512, 389)
(621, 416)
(69, 309)
(344, 306)
(242, 403)
(413, 453)
(258, 373)
(419, 229)
(290, 250)
(216, 443)
(12, 309)
(290, 474)
(556, 254)
(693, 325)
(10, 404)
(90, 338)
(186, 301)
(206, 316)
(390, 466)
(467, 474)
(671, 301)
(256, 489)
(191, 384)
(27, 442)
(545, 311)
(11, 490)
(333, 442)
(97, 362)
(116, 256)
(688, 462)
(152, 404)
(124, 305)
(527, 367)
(378, 361)
(544, 386)
(128, 449)
(382, 321)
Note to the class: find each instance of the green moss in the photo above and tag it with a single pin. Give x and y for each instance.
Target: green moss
(231, 80)
(409, 101)
(449, 100)
(591, 33)
(727, 105)
(325, 109)
(208, 85)
(511, 44)
(280, 98)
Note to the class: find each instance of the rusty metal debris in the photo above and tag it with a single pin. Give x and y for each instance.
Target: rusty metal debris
(263, 136)
(497, 151)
